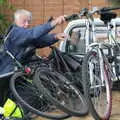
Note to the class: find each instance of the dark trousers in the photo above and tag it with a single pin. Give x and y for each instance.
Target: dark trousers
(4, 88)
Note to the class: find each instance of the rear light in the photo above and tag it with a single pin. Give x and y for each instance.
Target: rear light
(27, 70)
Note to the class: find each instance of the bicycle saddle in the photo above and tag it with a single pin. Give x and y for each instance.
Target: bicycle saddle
(107, 16)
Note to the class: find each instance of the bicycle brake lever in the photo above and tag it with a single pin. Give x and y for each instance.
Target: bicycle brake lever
(83, 12)
(107, 9)
(72, 17)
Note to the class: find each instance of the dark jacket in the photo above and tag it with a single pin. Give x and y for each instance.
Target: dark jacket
(20, 38)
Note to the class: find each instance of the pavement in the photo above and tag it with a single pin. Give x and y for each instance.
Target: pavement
(115, 115)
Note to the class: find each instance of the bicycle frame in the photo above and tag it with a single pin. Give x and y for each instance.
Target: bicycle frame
(111, 34)
(99, 80)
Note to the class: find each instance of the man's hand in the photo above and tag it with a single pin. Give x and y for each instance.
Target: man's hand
(57, 21)
(61, 36)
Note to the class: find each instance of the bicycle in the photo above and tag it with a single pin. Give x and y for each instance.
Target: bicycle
(22, 79)
(65, 93)
(97, 70)
(53, 87)
(98, 73)
(24, 93)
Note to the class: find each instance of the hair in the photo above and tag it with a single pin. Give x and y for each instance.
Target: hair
(20, 12)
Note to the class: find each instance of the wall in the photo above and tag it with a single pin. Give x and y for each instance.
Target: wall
(43, 9)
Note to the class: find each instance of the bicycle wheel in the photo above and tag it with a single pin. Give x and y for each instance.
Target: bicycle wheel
(97, 84)
(27, 95)
(61, 92)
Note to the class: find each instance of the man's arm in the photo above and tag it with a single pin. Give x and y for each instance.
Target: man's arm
(28, 36)
(45, 40)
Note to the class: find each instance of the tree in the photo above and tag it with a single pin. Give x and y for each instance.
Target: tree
(4, 17)
(115, 3)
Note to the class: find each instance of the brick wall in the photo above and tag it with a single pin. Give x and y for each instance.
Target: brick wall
(43, 9)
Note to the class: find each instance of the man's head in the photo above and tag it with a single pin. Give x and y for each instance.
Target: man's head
(22, 18)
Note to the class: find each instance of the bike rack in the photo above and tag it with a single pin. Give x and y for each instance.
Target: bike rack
(80, 24)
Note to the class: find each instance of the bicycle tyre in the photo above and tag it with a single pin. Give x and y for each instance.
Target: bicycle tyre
(96, 110)
(30, 106)
(65, 88)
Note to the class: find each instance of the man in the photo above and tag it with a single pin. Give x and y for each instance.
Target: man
(20, 37)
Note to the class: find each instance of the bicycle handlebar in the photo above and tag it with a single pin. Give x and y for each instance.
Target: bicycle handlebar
(107, 9)
(85, 12)
(72, 17)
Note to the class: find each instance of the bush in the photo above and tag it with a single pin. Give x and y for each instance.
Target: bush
(4, 17)
(115, 3)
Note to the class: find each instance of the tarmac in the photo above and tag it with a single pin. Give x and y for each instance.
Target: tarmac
(115, 115)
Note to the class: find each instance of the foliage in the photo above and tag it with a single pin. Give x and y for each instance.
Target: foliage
(115, 3)
(4, 21)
